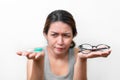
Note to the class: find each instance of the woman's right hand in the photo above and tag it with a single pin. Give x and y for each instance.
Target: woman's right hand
(35, 64)
(31, 55)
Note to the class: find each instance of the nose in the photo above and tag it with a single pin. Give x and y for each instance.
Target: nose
(60, 40)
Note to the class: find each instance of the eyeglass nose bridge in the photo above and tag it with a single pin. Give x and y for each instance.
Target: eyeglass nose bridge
(94, 47)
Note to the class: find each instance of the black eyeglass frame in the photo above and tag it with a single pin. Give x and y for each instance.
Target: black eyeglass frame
(96, 49)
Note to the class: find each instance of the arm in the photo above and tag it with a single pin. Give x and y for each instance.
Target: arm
(35, 65)
(35, 69)
(80, 68)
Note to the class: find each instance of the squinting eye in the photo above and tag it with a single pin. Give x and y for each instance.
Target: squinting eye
(54, 35)
(66, 35)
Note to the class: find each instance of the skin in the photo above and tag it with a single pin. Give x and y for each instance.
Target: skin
(59, 38)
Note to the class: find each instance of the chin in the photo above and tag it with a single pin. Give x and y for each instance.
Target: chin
(60, 52)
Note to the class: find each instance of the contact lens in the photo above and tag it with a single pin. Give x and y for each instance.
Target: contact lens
(38, 49)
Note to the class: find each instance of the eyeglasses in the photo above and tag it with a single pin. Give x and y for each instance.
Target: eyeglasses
(88, 48)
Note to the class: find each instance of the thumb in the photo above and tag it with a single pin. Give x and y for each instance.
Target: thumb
(40, 55)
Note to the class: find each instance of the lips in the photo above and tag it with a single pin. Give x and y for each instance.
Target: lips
(59, 49)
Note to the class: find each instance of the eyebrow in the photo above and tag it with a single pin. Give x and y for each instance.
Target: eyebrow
(62, 33)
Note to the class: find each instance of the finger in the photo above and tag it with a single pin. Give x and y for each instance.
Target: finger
(25, 53)
(109, 51)
(93, 55)
(105, 54)
(22, 53)
(19, 53)
(81, 55)
(32, 55)
(38, 55)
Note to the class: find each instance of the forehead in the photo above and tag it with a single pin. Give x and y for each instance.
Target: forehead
(60, 27)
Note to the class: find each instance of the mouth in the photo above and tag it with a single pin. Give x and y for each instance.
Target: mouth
(59, 49)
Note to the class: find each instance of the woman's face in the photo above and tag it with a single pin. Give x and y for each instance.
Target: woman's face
(59, 37)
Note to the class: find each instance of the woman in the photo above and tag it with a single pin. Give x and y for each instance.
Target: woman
(59, 60)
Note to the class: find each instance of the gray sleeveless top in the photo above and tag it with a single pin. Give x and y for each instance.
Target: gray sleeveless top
(48, 75)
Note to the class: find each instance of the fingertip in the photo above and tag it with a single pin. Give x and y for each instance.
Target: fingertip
(36, 57)
(110, 49)
(42, 53)
(19, 53)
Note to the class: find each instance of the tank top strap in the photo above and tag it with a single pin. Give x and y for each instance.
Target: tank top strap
(71, 62)
(71, 57)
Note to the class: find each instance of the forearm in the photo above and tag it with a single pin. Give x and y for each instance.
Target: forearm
(35, 70)
(80, 69)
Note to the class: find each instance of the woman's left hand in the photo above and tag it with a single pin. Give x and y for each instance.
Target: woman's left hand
(94, 54)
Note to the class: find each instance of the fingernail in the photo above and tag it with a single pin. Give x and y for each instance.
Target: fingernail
(36, 57)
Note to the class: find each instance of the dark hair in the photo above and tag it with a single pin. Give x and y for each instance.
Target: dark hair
(63, 16)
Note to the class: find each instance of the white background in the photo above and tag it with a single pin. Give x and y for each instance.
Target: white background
(22, 22)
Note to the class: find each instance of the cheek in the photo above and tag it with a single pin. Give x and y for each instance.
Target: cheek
(50, 41)
(68, 42)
